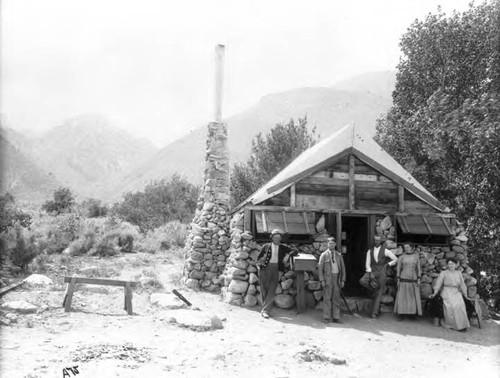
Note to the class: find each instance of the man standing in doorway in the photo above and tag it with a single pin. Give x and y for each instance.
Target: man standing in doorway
(377, 258)
(271, 260)
(332, 276)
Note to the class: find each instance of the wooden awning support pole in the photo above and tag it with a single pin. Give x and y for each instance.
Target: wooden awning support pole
(219, 81)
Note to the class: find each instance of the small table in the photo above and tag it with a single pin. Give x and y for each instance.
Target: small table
(301, 263)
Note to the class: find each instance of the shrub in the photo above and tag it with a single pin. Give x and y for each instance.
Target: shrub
(83, 244)
(126, 242)
(63, 201)
(105, 247)
(94, 208)
(24, 251)
(160, 202)
(164, 238)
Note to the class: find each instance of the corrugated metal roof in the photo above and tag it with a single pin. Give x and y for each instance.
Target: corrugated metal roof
(329, 150)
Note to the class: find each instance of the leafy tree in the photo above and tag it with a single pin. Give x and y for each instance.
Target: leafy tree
(10, 215)
(444, 126)
(161, 202)
(95, 208)
(63, 201)
(269, 155)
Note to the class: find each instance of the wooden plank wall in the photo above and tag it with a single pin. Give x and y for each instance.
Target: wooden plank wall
(329, 188)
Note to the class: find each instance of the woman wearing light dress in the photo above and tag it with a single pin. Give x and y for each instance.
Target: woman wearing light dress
(450, 284)
(408, 274)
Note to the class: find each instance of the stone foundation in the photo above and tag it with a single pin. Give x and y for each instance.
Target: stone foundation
(241, 283)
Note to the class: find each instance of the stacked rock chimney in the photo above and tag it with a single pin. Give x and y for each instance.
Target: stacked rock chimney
(208, 240)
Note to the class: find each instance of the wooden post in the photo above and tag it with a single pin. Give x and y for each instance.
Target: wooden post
(339, 231)
(401, 198)
(128, 299)
(351, 182)
(219, 81)
(301, 292)
(247, 222)
(292, 196)
(69, 294)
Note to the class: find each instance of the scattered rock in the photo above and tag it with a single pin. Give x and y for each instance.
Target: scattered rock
(21, 307)
(238, 287)
(89, 270)
(38, 280)
(250, 300)
(285, 285)
(169, 301)
(284, 301)
(232, 298)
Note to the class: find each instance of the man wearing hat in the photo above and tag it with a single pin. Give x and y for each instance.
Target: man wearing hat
(332, 277)
(271, 260)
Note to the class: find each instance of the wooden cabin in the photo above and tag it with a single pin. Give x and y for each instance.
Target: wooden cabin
(344, 183)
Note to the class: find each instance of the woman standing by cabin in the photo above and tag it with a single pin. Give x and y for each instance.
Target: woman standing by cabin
(408, 274)
(453, 290)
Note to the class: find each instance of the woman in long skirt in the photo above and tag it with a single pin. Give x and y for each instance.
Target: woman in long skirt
(408, 274)
(452, 286)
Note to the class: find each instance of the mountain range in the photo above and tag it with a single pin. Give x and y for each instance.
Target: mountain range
(98, 160)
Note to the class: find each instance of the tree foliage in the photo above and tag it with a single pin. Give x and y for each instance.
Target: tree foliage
(63, 201)
(444, 126)
(269, 155)
(11, 215)
(161, 202)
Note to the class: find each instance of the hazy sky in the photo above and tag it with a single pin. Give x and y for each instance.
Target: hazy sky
(148, 64)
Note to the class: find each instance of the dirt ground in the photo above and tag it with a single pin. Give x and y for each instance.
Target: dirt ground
(103, 341)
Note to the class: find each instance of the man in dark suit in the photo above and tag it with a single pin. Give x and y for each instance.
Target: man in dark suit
(271, 260)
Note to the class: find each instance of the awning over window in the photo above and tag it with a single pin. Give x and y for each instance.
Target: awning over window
(425, 224)
(295, 223)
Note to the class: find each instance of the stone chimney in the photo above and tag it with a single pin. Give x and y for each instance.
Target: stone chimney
(208, 241)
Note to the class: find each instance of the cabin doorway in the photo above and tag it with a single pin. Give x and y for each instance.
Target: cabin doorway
(355, 245)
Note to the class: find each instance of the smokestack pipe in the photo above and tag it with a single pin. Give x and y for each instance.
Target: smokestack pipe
(219, 81)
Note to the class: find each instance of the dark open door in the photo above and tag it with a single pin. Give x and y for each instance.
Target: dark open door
(355, 242)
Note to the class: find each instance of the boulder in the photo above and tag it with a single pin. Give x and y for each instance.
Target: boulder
(250, 300)
(313, 285)
(278, 290)
(88, 270)
(449, 255)
(196, 274)
(241, 264)
(21, 307)
(455, 242)
(284, 301)
(38, 280)
(318, 295)
(238, 272)
(251, 269)
(386, 223)
(253, 278)
(252, 290)
(241, 255)
(168, 301)
(287, 284)
(458, 249)
(234, 299)
(191, 283)
(238, 287)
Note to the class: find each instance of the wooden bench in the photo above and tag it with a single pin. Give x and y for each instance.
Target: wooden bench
(72, 281)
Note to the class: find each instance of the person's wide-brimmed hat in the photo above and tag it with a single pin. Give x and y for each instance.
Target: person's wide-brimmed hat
(276, 231)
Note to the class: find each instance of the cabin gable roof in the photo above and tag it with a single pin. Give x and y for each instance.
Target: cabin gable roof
(334, 148)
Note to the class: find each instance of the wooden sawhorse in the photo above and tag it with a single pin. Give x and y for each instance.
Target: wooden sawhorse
(72, 281)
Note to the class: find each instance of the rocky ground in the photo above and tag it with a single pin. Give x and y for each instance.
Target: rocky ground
(165, 338)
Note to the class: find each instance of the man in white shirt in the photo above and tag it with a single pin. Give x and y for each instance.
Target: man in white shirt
(377, 258)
